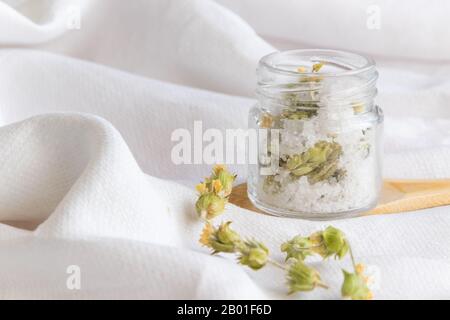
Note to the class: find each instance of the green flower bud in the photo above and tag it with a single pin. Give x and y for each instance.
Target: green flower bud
(302, 278)
(253, 254)
(222, 239)
(226, 179)
(297, 248)
(335, 242)
(210, 205)
(355, 287)
(226, 235)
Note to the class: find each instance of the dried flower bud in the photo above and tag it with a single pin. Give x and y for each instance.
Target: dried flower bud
(222, 239)
(210, 205)
(226, 180)
(253, 254)
(297, 248)
(302, 278)
(226, 235)
(335, 242)
(355, 287)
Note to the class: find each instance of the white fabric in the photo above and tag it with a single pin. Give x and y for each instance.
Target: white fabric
(92, 183)
(416, 29)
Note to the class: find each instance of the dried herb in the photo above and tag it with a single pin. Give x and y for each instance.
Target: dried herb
(317, 66)
(318, 163)
(330, 242)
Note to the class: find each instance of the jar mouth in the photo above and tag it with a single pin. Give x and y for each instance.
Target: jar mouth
(299, 63)
(318, 78)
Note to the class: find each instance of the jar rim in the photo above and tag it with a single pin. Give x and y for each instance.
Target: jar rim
(320, 55)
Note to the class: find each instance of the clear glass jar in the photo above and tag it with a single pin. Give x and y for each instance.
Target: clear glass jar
(319, 135)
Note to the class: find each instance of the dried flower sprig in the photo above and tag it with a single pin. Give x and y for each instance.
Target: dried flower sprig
(251, 253)
(255, 255)
(214, 192)
(331, 242)
(327, 243)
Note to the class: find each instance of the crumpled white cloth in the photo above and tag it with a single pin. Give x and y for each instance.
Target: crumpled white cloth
(87, 178)
(414, 29)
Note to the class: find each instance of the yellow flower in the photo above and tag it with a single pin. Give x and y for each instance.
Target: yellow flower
(218, 168)
(301, 69)
(217, 186)
(206, 235)
(360, 268)
(201, 188)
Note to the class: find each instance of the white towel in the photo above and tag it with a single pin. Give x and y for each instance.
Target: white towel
(91, 184)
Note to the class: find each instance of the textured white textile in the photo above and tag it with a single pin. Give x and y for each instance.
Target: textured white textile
(87, 117)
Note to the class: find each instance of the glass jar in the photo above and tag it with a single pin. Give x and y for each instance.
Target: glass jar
(319, 134)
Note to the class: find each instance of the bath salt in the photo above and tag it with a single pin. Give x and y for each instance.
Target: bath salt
(355, 189)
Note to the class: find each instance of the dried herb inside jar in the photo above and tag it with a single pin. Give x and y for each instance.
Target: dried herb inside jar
(318, 163)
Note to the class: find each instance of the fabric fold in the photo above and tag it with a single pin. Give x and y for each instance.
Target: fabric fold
(74, 176)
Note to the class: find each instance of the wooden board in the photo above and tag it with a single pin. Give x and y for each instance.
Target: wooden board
(396, 196)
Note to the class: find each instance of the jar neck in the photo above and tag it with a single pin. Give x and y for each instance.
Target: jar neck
(291, 80)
